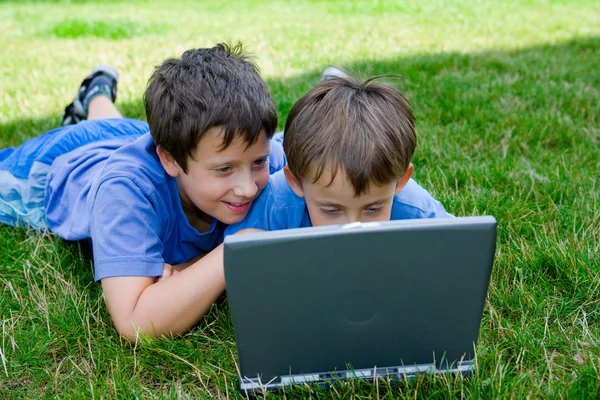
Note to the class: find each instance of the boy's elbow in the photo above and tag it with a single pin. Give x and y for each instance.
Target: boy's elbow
(128, 334)
(132, 332)
(127, 331)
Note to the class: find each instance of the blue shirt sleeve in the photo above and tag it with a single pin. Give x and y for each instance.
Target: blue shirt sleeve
(125, 231)
(277, 158)
(415, 202)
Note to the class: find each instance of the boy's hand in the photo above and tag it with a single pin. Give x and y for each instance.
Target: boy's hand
(170, 270)
(165, 306)
(248, 230)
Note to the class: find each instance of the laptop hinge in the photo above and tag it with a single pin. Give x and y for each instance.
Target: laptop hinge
(395, 372)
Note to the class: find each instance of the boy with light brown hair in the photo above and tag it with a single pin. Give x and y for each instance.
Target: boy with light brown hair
(349, 146)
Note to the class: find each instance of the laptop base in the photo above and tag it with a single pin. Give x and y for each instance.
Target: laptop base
(253, 385)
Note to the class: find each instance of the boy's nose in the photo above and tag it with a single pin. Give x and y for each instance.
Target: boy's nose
(352, 217)
(245, 186)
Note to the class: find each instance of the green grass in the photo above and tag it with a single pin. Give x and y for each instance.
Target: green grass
(114, 29)
(507, 96)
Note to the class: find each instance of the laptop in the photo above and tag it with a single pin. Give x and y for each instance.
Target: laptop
(362, 300)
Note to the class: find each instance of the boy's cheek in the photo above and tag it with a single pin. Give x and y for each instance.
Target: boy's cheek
(262, 180)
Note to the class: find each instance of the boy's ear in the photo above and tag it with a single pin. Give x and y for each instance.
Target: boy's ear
(293, 182)
(168, 162)
(404, 179)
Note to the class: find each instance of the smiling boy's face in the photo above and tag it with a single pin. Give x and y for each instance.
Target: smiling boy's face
(334, 202)
(221, 183)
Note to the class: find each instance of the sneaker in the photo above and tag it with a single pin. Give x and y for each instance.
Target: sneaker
(102, 80)
(333, 72)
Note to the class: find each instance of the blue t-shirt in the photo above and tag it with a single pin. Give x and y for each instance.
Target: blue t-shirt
(117, 193)
(278, 207)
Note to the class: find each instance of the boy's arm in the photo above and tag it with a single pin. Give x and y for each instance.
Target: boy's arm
(169, 270)
(128, 251)
(166, 307)
(169, 306)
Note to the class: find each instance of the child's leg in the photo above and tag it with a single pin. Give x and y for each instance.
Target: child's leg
(102, 107)
(5, 153)
(101, 83)
(24, 169)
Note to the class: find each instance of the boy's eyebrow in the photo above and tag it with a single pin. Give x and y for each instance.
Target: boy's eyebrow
(377, 202)
(327, 203)
(220, 161)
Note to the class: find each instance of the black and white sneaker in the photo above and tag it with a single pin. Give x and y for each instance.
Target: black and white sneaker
(103, 80)
(333, 72)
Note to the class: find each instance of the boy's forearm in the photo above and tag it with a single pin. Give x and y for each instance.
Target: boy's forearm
(182, 266)
(173, 306)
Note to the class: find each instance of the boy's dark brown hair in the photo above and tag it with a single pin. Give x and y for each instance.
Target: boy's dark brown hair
(365, 128)
(206, 88)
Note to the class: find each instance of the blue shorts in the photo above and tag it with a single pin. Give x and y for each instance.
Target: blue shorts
(23, 170)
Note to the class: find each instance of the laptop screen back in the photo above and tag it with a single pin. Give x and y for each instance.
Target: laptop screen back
(316, 300)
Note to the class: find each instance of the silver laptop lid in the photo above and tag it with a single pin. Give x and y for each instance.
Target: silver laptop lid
(358, 298)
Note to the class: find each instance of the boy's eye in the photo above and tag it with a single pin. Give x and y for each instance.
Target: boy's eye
(374, 210)
(223, 170)
(329, 211)
(261, 162)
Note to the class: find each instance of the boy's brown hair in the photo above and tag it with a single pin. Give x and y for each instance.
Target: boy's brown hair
(205, 88)
(365, 128)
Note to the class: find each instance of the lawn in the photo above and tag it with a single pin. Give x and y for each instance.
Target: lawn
(507, 97)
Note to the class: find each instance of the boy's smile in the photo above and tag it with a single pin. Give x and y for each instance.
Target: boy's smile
(221, 183)
(238, 208)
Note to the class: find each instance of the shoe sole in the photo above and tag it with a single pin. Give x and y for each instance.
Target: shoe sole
(107, 69)
(333, 72)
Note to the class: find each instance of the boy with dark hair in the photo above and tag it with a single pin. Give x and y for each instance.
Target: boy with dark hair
(153, 197)
(349, 146)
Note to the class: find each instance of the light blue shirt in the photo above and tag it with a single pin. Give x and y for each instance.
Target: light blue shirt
(116, 193)
(278, 207)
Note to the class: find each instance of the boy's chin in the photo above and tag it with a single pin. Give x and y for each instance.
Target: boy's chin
(230, 219)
